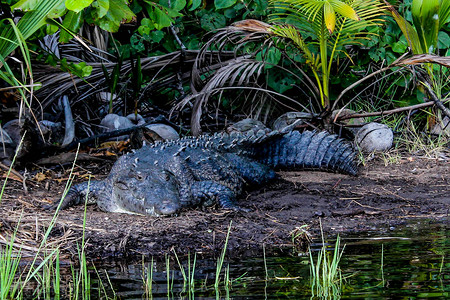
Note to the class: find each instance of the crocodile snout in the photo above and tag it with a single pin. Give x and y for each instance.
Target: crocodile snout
(167, 207)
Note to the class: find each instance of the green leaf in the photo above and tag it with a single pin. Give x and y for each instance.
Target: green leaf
(77, 5)
(57, 12)
(195, 4)
(157, 36)
(25, 5)
(344, 9)
(399, 47)
(160, 15)
(219, 4)
(72, 21)
(136, 42)
(272, 57)
(212, 21)
(444, 12)
(160, 18)
(444, 40)
(118, 11)
(230, 13)
(101, 7)
(329, 17)
(175, 5)
(280, 83)
(426, 21)
(28, 24)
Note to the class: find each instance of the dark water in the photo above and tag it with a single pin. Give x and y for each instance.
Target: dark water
(415, 265)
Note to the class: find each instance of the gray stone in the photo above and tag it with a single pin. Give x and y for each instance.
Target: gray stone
(374, 137)
(442, 127)
(289, 118)
(164, 131)
(247, 125)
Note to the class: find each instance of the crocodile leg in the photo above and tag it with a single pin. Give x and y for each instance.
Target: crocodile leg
(211, 192)
(77, 194)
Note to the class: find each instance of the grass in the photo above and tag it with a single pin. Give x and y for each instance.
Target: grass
(46, 273)
(326, 277)
(220, 261)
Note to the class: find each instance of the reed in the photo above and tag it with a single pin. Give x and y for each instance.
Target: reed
(221, 259)
(326, 277)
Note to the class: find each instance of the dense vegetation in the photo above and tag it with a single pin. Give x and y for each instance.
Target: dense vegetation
(305, 56)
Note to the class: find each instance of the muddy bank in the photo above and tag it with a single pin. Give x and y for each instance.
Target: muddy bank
(380, 198)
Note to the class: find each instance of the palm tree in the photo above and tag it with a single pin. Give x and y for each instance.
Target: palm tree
(328, 25)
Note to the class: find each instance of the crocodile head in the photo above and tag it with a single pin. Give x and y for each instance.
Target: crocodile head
(151, 191)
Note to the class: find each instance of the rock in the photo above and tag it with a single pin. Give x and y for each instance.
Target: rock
(164, 131)
(113, 122)
(374, 137)
(137, 119)
(442, 127)
(246, 125)
(289, 118)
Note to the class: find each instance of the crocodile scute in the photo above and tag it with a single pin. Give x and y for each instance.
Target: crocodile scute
(166, 177)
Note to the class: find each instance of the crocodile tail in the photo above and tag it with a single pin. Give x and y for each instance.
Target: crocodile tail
(308, 150)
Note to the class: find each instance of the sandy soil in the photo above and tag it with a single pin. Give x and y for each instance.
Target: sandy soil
(379, 199)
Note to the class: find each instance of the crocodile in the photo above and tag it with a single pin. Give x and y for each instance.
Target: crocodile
(165, 177)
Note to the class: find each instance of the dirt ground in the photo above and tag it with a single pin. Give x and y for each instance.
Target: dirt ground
(379, 199)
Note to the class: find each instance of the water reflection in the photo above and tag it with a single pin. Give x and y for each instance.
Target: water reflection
(413, 262)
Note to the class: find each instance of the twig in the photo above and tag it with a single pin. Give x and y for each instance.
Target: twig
(435, 99)
(385, 112)
(110, 134)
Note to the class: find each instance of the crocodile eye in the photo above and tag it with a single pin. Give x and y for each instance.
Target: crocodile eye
(121, 185)
(139, 176)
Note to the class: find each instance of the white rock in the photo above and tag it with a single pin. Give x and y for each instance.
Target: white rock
(374, 137)
(442, 127)
(138, 120)
(289, 118)
(113, 122)
(164, 131)
(246, 125)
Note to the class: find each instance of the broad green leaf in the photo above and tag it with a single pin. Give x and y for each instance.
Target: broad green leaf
(409, 32)
(77, 5)
(195, 4)
(444, 12)
(160, 18)
(426, 21)
(175, 5)
(444, 40)
(230, 13)
(344, 9)
(136, 42)
(25, 5)
(101, 7)
(280, 83)
(118, 11)
(51, 29)
(219, 4)
(144, 30)
(72, 21)
(329, 17)
(58, 11)
(399, 47)
(272, 57)
(28, 24)
(212, 21)
(157, 36)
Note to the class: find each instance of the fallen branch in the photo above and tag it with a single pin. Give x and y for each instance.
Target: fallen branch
(107, 135)
(386, 112)
(435, 99)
